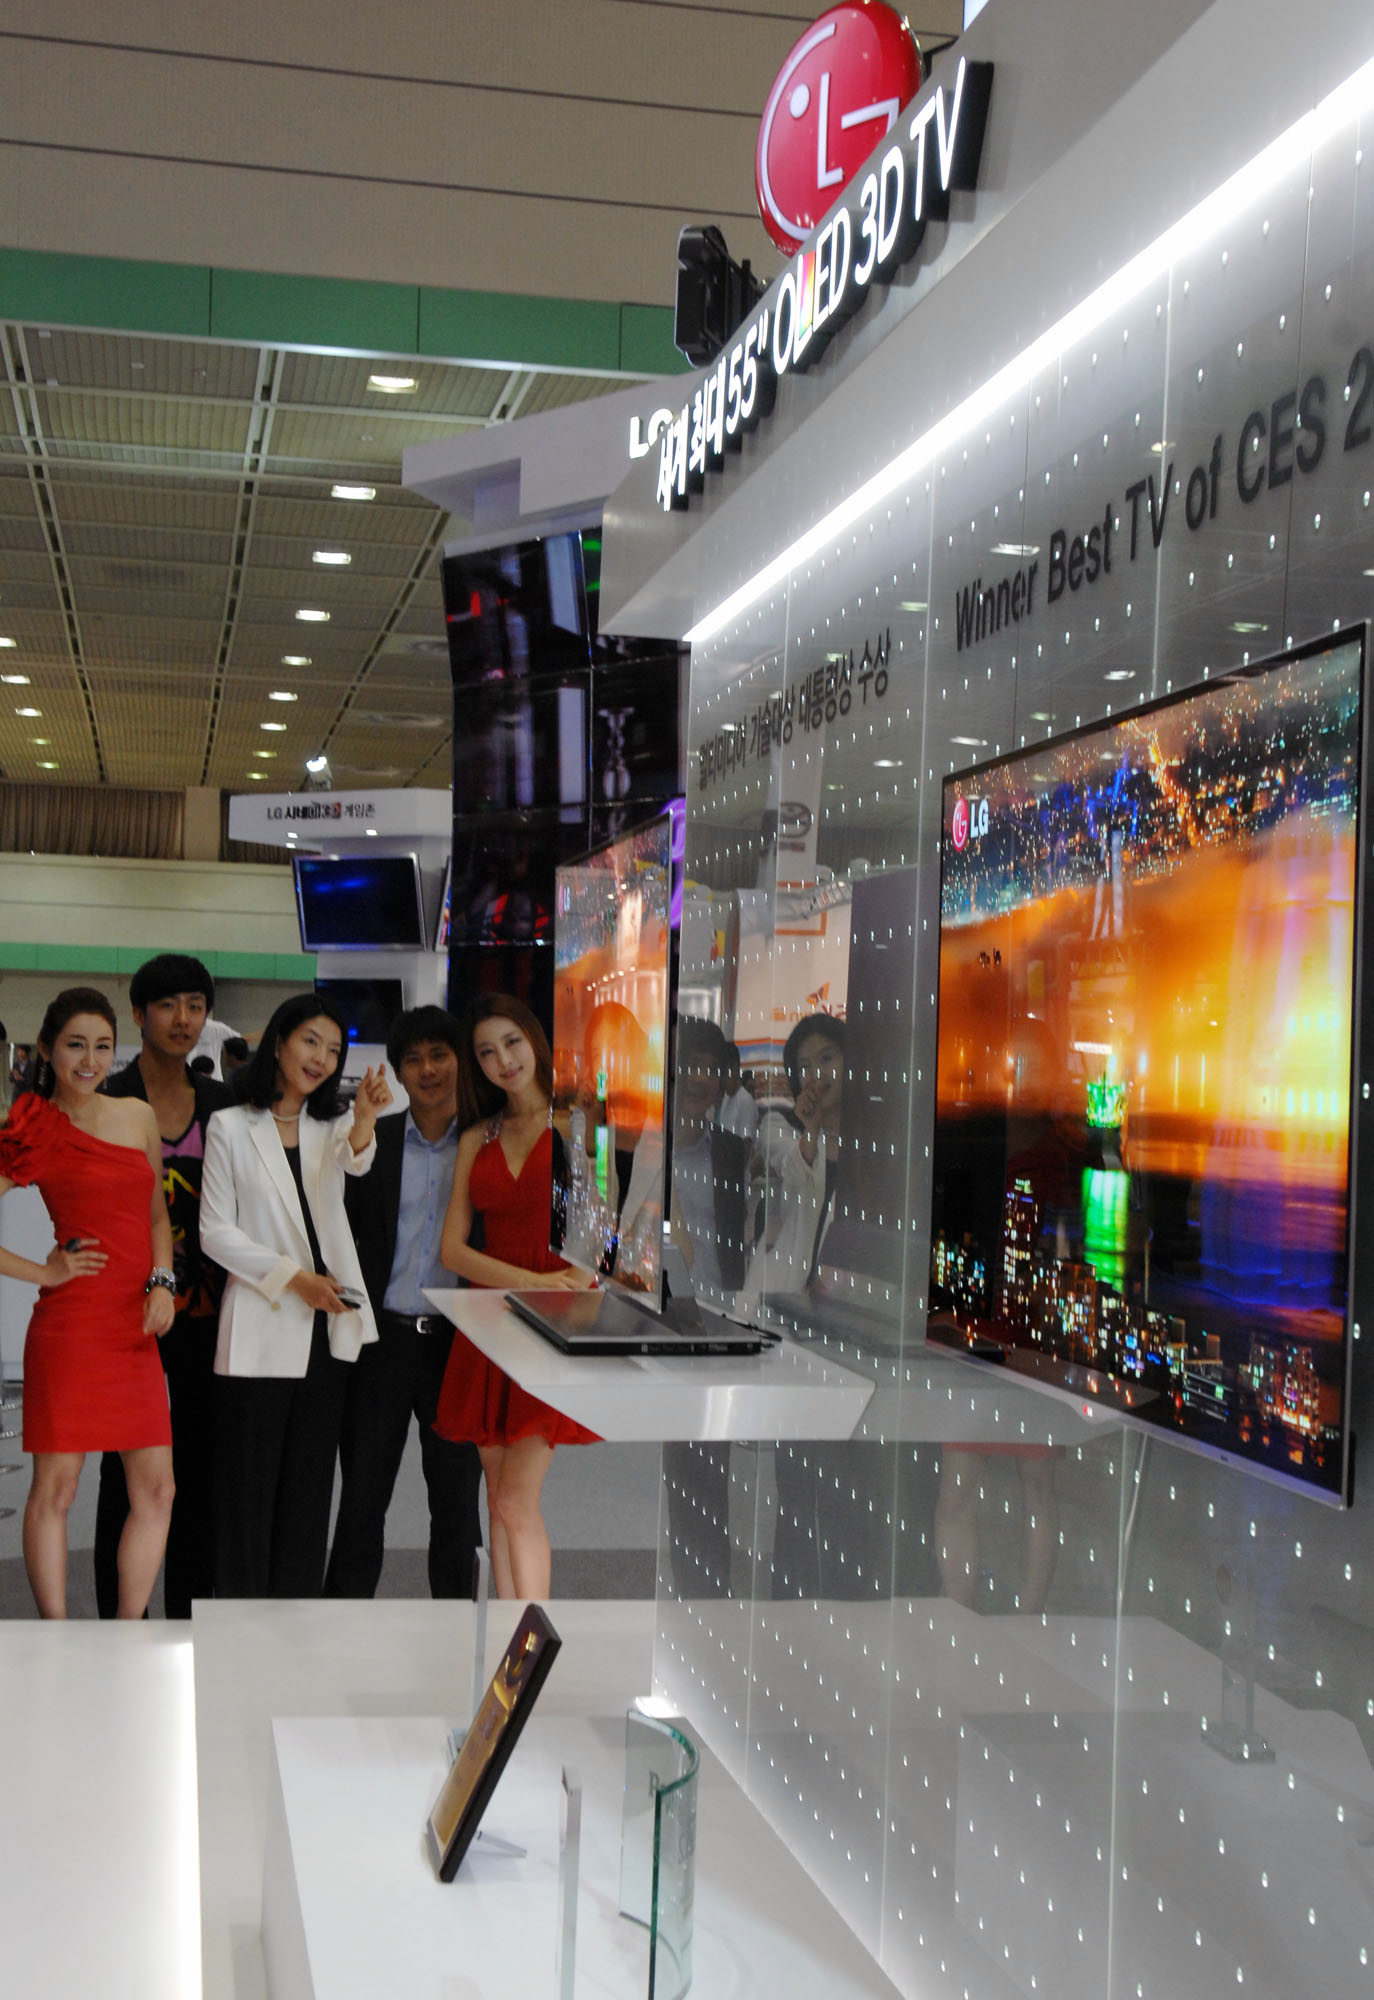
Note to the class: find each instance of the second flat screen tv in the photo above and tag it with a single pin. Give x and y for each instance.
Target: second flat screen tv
(612, 996)
(1151, 945)
(359, 902)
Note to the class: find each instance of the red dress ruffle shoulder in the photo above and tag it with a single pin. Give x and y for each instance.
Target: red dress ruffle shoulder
(478, 1402)
(28, 1137)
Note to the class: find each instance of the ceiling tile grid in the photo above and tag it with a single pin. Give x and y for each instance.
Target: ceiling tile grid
(161, 505)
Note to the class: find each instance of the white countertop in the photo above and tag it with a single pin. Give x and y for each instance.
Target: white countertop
(790, 1391)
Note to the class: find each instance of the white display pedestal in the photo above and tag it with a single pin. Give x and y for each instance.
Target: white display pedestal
(352, 1910)
(787, 1392)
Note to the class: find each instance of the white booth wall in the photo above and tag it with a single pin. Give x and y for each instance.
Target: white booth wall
(1005, 1800)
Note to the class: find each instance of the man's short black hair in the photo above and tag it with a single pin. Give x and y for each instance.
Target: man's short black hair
(170, 972)
(421, 1024)
(702, 1043)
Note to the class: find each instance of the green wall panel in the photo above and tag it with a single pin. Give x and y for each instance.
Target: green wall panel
(646, 341)
(119, 295)
(105, 292)
(500, 326)
(312, 312)
(77, 961)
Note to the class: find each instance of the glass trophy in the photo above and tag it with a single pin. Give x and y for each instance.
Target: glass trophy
(658, 1837)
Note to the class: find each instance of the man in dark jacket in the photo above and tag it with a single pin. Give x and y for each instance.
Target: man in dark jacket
(397, 1212)
(171, 997)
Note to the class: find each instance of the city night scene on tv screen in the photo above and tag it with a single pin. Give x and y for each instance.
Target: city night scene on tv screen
(1147, 994)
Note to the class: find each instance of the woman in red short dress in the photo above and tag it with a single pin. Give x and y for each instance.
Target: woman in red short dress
(92, 1377)
(504, 1173)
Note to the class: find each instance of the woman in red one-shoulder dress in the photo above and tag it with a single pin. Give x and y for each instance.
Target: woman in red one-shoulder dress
(92, 1377)
(504, 1173)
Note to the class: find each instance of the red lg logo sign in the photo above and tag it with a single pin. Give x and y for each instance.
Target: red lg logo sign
(959, 826)
(838, 93)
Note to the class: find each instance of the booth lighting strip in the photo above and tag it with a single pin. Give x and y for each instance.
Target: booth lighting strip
(1240, 191)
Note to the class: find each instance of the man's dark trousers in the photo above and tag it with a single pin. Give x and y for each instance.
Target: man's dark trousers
(395, 1378)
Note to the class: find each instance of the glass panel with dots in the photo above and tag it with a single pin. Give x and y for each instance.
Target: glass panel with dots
(1045, 1704)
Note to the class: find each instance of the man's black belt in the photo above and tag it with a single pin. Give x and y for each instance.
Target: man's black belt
(416, 1322)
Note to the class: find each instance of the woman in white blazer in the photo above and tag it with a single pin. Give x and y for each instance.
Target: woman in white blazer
(295, 1310)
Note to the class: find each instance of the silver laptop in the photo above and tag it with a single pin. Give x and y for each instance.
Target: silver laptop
(609, 1322)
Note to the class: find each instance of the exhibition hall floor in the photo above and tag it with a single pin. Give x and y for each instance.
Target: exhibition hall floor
(601, 1504)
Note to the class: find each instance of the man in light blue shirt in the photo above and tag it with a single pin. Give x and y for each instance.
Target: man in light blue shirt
(397, 1212)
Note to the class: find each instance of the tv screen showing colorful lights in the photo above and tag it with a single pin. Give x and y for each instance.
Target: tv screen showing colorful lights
(1151, 938)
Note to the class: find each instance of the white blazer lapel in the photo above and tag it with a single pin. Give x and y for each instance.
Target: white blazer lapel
(268, 1146)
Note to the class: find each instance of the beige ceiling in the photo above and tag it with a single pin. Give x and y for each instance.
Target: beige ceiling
(160, 504)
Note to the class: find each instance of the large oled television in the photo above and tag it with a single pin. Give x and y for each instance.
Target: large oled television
(1152, 944)
(359, 902)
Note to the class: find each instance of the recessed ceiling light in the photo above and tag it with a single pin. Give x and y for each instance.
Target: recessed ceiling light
(1016, 548)
(913, 604)
(887, 763)
(1120, 674)
(295, 659)
(1041, 715)
(15, 680)
(971, 742)
(45, 740)
(332, 558)
(28, 711)
(9, 642)
(47, 764)
(1161, 445)
(345, 492)
(278, 728)
(258, 775)
(391, 385)
(264, 753)
(1249, 625)
(281, 694)
(309, 616)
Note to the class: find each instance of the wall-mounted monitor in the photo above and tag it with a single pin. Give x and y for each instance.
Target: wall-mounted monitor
(369, 1006)
(359, 902)
(1151, 945)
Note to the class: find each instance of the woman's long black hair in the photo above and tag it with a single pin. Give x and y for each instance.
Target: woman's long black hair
(256, 1083)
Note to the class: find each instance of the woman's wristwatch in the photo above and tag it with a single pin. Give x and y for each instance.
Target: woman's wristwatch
(160, 1275)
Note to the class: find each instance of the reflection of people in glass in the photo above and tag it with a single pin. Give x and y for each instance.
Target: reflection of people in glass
(794, 1160)
(710, 1177)
(738, 1111)
(709, 1164)
(503, 1174)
